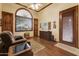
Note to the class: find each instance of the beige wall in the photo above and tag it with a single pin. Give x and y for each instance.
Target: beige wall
(51, 13)
(12, 9)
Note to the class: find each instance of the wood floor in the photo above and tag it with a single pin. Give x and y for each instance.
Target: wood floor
(50, 49)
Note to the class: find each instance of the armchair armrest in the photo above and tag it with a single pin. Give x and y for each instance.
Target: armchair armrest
(11, 51)
(18, 41)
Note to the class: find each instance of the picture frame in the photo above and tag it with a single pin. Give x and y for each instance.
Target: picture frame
(54, 24)
(49, 25)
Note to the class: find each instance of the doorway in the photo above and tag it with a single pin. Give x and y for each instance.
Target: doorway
(7, 21)
(35, 27)
(69, 26)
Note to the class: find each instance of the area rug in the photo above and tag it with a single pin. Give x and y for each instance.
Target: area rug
(36, 47)
(68, 48)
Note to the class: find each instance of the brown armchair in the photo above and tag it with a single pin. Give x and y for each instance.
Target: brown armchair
(13, 47)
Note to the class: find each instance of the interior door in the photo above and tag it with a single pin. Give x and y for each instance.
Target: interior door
(69, 27)
(36, 27)
(7, 21)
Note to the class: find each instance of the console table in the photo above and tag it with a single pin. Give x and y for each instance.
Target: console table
(47, 35)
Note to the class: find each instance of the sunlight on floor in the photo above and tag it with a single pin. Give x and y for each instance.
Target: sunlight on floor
(68, 48)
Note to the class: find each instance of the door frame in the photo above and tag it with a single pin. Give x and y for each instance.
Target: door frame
(75, 25)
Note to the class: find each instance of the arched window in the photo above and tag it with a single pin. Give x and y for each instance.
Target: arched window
(23, 20)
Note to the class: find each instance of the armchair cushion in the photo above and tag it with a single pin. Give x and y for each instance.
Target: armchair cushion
(20, 47)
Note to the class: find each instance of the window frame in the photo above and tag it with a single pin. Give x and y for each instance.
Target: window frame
(15, 20)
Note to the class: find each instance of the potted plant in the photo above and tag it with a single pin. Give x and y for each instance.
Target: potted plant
(27, 35)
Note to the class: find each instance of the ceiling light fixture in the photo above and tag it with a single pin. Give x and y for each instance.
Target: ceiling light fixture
(35, 6)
